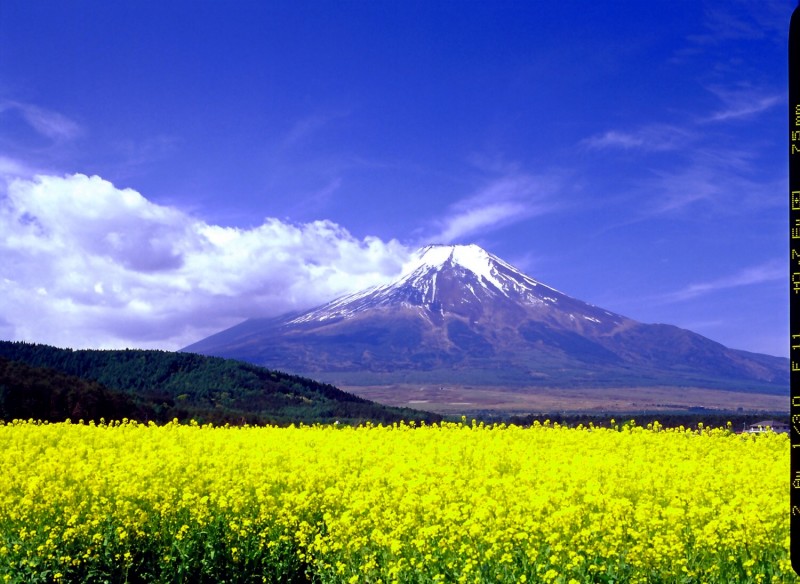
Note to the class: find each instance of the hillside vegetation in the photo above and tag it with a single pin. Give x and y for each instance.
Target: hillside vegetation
(44, 382)
(45, 394)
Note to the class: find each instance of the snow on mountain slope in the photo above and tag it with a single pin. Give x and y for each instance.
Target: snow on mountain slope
(491, 272)
(457, 313)
(457, 279)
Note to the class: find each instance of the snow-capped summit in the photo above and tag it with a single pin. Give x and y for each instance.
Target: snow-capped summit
(458, 314)
(457, 279)
(470, 257)
(489, 270)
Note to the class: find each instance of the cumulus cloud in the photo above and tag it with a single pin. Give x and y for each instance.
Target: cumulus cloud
(503, 201)
(11, 167)
(87, 264)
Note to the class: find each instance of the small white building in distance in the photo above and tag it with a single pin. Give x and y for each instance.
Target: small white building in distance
(763, 425)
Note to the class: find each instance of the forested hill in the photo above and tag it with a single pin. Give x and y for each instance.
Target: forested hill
(45, 394)
(163, 385)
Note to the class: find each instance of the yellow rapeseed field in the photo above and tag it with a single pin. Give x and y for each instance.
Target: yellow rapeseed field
(128, 502)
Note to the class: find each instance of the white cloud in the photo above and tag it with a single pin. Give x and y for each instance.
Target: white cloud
(48, 123)
(11, 167)
(650, 138)
(614, 139)
(86, 264)
(715, 179)
(307, 127)
(744, 20)
(502, 202)
(767, 272)
(484, 217)
(743, 102)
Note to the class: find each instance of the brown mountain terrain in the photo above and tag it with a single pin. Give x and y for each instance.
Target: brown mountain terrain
(461, 317)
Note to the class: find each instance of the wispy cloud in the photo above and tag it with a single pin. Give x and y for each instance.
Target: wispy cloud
(743, 103)
(503, 201)
(482, 218)
(304, 128)
(673, 190)
(47, 123)
(727, 20)
(142, 152)
(767, 272)
(698, 171)
(317, 200)
(650, 138)
(614, 139)
(729, 182)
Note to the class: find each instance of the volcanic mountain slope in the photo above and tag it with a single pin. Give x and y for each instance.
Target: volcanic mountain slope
(459, 314)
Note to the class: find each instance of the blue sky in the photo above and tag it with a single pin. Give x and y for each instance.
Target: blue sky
(168, 169)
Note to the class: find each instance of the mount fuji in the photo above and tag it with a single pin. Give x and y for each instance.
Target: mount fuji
(460, 315)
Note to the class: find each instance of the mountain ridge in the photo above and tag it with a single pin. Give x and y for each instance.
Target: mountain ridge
(459, 312)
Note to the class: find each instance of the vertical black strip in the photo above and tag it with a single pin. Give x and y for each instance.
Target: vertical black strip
(794, 281)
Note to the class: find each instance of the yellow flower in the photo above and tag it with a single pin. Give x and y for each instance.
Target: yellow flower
(386, 502)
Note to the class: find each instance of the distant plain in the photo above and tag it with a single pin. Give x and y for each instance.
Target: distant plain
(466, 400)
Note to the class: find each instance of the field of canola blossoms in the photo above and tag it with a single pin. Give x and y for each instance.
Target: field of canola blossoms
(127, 502)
